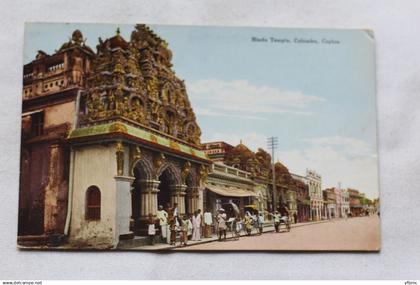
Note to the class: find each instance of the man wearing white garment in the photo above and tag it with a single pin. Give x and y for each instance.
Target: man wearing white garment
(208, 222)
(197, 225)
(162, 216)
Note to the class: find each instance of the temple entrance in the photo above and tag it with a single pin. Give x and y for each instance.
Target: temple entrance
(140, 175)
(166, 180)
(162, 186)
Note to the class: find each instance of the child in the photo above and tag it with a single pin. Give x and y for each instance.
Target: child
(151, 229)
(184, 233)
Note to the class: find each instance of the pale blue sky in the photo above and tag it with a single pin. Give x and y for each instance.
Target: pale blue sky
(318, 99)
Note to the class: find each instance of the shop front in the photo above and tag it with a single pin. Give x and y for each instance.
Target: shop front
(228, 188)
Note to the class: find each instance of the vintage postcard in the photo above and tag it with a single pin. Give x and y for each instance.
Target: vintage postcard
(148, 137)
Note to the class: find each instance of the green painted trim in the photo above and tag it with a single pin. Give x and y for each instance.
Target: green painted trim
(119, 127)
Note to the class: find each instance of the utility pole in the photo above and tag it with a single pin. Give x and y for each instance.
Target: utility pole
(272, 143)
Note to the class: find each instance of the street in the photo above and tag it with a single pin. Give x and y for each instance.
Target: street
(361, 233)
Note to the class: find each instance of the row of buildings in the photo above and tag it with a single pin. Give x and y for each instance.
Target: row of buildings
(107, 136)
(237, 167)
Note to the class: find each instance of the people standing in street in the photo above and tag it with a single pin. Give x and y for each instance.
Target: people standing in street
(285, 216)
(190, 227)
(162, 216)
(248, 223)
(255, 222)
(173, 224)
(184, 233)
(193, 223)
(151, 230)
(170, 219)
(208, 221)
(197, 225)
(276, 217)
(221, 224)
(260, 223)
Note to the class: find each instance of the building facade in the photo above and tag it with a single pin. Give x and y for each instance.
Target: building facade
(315, 194)
(217, 151)
(338, 201)
(51, 86)
(356, 207)
(243, 163)
(330, 206)
(131, 136)
(345, 203)
(302, 198)
(225, 186)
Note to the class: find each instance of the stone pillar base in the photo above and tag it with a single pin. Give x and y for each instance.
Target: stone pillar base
(148, 205)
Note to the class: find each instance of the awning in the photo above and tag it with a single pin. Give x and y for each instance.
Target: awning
(231, 191)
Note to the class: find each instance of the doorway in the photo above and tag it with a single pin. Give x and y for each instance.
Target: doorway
(166, 180)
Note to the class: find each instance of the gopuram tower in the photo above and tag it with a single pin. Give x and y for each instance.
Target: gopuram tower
(136, 142)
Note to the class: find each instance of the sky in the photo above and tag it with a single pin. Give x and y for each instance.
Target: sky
(313, 89)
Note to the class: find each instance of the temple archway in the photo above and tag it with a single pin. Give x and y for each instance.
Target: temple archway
(142, 173)
(167, 180)
(171, 188)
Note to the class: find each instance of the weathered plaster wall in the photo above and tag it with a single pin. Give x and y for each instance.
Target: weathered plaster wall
(56, 190)
(94, 165)
(59, 114)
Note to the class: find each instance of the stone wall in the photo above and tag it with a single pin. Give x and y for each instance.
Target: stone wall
(94, 166)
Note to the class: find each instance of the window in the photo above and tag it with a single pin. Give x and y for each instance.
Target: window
(37, 124)
(93, 203)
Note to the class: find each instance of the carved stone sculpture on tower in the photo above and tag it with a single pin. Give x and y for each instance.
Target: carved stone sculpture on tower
(136, 82)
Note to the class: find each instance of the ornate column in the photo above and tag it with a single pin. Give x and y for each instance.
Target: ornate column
(178, 196)
(148, 200)
(119, 153)
(193, 197)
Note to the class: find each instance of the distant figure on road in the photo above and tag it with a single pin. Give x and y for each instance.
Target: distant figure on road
(276, 217)
(248, 223)
(221, 222)
(255, 222)
(260, 223)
